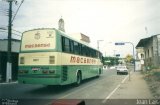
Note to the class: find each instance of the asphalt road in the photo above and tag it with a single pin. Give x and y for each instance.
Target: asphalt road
(92, 90)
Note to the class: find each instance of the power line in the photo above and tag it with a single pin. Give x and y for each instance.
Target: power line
(2, 31)
(12, 29)
(12, 33)
(17, 11)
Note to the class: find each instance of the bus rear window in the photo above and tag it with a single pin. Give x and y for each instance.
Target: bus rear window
(38, 40)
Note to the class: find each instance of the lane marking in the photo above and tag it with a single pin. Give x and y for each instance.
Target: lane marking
(92, 85)
(104, 101)
(125, 79)
(112, 92)
(77, 90)
(82, 88)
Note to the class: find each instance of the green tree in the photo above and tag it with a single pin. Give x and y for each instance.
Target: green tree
(129, 58)
(110, 61)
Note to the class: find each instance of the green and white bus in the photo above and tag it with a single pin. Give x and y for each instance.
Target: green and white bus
(50, 57)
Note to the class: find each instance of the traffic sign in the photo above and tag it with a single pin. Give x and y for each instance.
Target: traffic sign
(121, 43)
(117, 55)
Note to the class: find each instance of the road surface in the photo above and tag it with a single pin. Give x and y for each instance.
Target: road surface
(95, 90)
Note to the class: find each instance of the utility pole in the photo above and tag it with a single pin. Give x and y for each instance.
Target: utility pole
(9, 56)
(9, 61)
(133, 55)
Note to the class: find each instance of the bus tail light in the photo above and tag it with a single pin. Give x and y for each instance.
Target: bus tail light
(25, 71)
(45, 71)
(52, 71)
(22, 71)
(22, 60)
(48, 71)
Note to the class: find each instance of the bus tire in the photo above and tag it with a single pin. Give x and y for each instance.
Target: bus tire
(79, 78)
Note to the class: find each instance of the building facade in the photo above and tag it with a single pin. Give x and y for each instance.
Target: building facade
(150, 51)
(14, 58)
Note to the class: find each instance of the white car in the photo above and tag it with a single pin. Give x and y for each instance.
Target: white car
(112, 67)
(122, 69)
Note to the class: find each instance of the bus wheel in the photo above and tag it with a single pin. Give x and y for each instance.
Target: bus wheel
(79, 79)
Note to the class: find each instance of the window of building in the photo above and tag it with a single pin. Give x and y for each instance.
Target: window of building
(142, 56)
(152, 51)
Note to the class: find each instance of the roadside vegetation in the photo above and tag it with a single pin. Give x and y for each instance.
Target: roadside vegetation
(111, 61)
(153, 79)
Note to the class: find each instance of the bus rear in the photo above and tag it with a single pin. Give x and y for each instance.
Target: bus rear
(38, 58)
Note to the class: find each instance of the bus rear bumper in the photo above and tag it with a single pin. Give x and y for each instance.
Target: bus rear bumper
(39, 80)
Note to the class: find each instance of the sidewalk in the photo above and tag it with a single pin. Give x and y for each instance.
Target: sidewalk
(136, 88)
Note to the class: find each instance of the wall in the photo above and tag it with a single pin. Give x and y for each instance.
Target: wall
(152, 51)
(15, 45)
(3, 59)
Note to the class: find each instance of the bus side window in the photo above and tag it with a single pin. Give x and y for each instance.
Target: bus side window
(83, 50)
(89, 52)
(80, 49)
(65, 45)
(97, 54)
(62, 44)
(93, 53)
(71, 46)
(76, 48)
(101, 57)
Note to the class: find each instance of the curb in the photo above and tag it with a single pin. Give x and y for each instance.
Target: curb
(5, 83)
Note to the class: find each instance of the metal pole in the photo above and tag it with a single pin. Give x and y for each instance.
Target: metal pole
(9, 64)
(98, 43)
(134, 58)
(133, 54)
(158, 51)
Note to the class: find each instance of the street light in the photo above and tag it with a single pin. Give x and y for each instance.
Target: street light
(133, 54)
(98, 43)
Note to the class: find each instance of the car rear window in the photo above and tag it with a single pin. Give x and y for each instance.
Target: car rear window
(122, 67)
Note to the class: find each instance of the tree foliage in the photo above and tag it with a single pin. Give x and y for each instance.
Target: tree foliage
(129, 58)
(110, 61)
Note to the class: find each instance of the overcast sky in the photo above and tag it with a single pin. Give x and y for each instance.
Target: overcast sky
(108, 20)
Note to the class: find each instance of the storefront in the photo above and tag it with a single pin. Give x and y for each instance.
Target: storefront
(14, 58)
